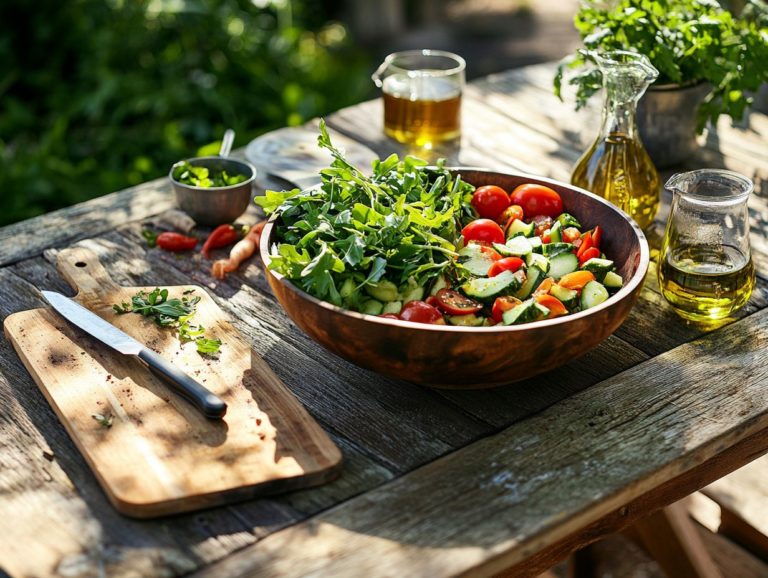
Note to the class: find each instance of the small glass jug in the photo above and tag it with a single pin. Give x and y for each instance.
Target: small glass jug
(422, 96)
(705, 265)
(617, 166)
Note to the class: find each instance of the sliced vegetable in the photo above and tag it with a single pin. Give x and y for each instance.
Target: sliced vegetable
(527, 311)
(372, 307)
(505, 264)
(593, 294)
(510, 214)
(502, 304)
(553, 249)
(465, 320)
(478, 259)
(454, 303)
(393, 307)
(555, 306)
(540, 261)
(567, 297)
(600, 267)
(590, 253)
(486, 289)
(518, 227)
(383, 291)
(568, 220)
(563, 264)
(576, 280)
(556, 233)
(613, 281)
(534, 277)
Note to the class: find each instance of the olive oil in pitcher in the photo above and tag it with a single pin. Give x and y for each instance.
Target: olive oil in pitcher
(617, 166)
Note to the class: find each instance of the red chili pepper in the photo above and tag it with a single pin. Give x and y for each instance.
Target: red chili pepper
(597, 234)
(591, 253)
(221, 236)
(586, 243)
(176, 242)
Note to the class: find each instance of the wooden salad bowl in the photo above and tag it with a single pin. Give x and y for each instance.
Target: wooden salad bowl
(478, 357)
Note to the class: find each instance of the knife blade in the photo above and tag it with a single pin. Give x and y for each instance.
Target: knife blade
(207, 402)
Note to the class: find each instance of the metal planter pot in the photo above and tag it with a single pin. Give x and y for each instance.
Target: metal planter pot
(666, 118)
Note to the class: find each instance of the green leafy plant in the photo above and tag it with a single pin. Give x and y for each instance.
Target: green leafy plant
(688, 41)
(398, 226)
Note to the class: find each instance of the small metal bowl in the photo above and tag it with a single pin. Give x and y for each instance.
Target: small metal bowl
(215, 205)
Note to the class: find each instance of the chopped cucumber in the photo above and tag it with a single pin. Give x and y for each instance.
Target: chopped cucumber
(527, 311)
(562, 264)
(347, 288)
(392, 307)
(412, 293)
(593, 294)
(372, 307)
(440, 283)
(613, 281)
(600, 267)
(553, 249)
(470, 320)
(538, 260)
(556, 233)
(383, 291)
(488, 288)
(536, 244)
(567, 297)
(475, 260)
(518, 227)
(567, 220)
(533, 280)
(516, 247)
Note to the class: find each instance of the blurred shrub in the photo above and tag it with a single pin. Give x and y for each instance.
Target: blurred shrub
(97, 95)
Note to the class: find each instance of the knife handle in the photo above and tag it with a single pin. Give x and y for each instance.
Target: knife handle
(210, 404)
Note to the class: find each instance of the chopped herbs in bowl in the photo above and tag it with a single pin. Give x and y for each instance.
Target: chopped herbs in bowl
(199, 176)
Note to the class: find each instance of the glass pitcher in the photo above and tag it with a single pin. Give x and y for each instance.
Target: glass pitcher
(705, 265)
(617, 166)
(422, 96)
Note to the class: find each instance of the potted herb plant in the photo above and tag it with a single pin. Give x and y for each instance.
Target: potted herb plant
(708, 60)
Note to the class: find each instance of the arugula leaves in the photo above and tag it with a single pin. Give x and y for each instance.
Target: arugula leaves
(688, 41)
(172, 312)
(354, 231)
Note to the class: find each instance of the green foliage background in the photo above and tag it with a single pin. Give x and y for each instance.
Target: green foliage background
(97, 95)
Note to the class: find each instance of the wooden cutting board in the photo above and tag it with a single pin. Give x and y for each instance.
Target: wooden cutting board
(160, 455)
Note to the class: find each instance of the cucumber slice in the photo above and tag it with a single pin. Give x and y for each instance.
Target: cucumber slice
(474, 260)
(556, 233)
(562, 264)
(553, 249)
(567, 220)
(440, 283)
(392, 307)
(613, 281)
(518, 227)
(567, 297)
(488, 288)
(347, 288)
(412, 293)
(372, 307)
(470, 320)
(383, 291)
(516, 247)
(533, 280)
(600, 267)
(537, 260)
(527, 311)
(593, 294)
(536, 244)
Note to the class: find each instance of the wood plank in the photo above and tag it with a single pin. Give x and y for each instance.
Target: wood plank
(524, 494)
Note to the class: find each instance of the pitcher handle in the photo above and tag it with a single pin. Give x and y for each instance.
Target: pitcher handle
(376, 76)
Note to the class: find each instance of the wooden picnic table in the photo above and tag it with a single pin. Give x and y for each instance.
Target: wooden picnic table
(434, 483)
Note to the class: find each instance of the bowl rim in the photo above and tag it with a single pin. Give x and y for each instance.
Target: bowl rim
(189, 160)
(637, 278)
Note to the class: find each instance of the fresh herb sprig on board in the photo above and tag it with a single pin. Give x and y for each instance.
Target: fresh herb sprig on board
(173, 312)
(398, 225)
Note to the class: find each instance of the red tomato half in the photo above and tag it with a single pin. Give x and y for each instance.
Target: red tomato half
(538, 200)
(490, 201)
(483, 230)
(420, 312)
(505, 264)
(503, 304)
(454, 303)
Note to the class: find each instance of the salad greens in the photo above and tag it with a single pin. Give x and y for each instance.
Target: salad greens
(188, 174)
(355, 234)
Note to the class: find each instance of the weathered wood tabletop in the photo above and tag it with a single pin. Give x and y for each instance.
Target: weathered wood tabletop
(434, 483)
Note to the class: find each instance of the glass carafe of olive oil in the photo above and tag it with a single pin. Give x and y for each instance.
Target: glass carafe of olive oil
(617, 166)
(705, 265)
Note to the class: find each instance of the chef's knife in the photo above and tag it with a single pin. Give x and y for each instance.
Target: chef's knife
(210, 404)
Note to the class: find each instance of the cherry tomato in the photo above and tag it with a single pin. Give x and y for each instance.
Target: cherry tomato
(483, 230)
(589, 254)
(502, 304)
(431, 300)
(389, 316)
(420, 312)
(176, 242)
(490, 201)
(555, 306)
(505, 264)
(510, 214)
(543, 225)
(538, 200)
(454, 303)
(570, 234)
